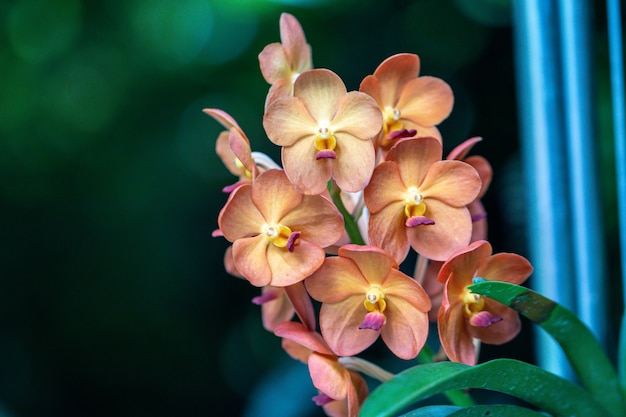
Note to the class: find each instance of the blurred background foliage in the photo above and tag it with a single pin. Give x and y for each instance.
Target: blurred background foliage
(113, 296)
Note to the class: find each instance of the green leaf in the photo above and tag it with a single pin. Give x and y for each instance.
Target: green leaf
(500, 410)
(530, 383)
(588, 359)
(433, 411)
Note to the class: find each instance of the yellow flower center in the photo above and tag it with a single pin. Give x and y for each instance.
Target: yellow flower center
(474, 303)
(325, 140)
(375, 299)
(414, 205)
(391, 118)
(278, 234)
(243, 169)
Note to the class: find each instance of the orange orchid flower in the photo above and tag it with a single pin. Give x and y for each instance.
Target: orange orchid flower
(281, 63)
(364, 295)
(342, 391)
(409, 102)
(417, 200)
(278, 234)
(434, 288)
(233, 148)
(464, 316)
(325, 133)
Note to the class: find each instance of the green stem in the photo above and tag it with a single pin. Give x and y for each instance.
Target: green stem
(456, 397)
(351, 225)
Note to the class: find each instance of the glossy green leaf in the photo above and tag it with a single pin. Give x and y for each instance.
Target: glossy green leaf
(588, 359)
(433, 411)
(527, 382)
(500, 410)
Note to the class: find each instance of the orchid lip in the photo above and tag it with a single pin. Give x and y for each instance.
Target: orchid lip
(418, 221)
(326, 154)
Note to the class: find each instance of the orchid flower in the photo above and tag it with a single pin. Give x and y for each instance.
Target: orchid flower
(364, 295)
(325, 132)
(233, 148)
(408, 102)
(417, 200)
(341, 390)
(281, 63)
(278, 234)
(464, 316)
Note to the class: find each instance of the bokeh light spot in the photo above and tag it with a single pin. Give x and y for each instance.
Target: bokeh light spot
(170, 33)
(42, 29)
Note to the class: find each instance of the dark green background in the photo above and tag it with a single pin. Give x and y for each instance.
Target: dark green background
(113, 296)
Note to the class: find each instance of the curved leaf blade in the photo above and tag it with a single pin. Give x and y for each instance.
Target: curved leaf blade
(530, 383)
(588, 359)
(499, 410)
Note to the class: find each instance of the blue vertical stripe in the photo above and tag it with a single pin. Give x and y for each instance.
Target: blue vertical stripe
(580, 138)
(545, 164)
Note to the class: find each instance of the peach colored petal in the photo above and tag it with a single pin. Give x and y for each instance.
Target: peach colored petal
(357, 115)
(293, 40)
(502, 331)
(274, 63)
(301, 301)
(337, 280)
(291, 267)
(328, 376)
(386, 230)
(280, 88)
(222, 117)
(340, 323)
(507, 267)
(393, 73)
(460, 269)
(426, 101)
(308, 175)
(385, 187)
(223, 150)
(298, 333)
(240, 217)
(355, 163)
(414, 158)
(350, 406)
(287, 121)
(249, 255)
(374, 263)
(240, 146)
(452, 231)
(423, 131)
(461, 150)
(276, 311)
(320, 90)
(371, 86)
(398, 286)
(274, 195)
(455, 339)
(296, 350)
(317, 219)
(479, 227)
(452, 182)
(482, 166)
(406, 329)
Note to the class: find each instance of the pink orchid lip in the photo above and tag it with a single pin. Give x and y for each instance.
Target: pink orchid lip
(484, 319)
(322, 399)
(326, 154)
(373, 320)
(419, 220)
(292, 241)
(400, 134)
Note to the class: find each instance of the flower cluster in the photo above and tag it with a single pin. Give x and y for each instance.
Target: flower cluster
(362, 182)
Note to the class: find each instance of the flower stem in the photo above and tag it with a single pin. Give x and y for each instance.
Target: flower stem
(351, 225)
(456, 397)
